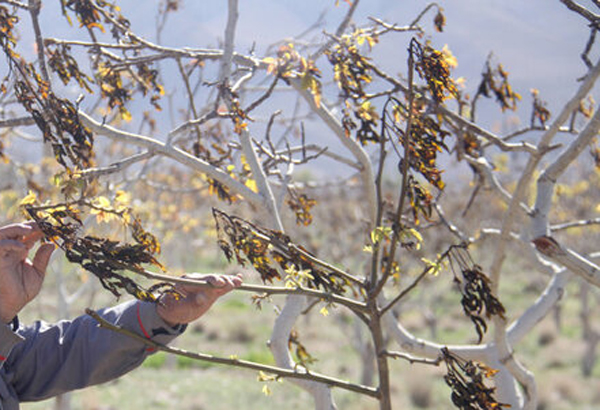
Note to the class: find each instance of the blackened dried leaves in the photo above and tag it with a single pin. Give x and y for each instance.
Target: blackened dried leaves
(540, 112)
(7, 35)
(301, 205)
(433, 67)
(300, 351)
(56, 118)
(467, 381)
(478, 301)
(104, 258)
(290, 64)
(65, 66)
(353, 72)
(110, 78)
(89, 14)
(421, 201)
(58, 121)
(425, 142)
(270, 252)
(439, 21)
(494, 83)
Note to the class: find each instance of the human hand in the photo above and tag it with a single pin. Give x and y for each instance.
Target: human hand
(195, 300)
(20, 278)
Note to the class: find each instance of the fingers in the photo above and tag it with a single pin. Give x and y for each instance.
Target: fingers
(42, 257)
(224, 283)
(224, 280)
(10, 245)
(197, 299)
(32, 238)
(221, 284)
(28, 233)
(217, 281)
(18, 231)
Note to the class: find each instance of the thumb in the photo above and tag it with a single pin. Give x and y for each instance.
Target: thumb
(42, 257)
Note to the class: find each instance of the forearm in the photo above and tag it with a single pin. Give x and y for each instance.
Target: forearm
(75, 354)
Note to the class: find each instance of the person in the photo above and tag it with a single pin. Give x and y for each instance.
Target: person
(42, 360)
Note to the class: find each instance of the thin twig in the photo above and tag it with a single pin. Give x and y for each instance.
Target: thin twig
(412, 359)
(405, 166)
(582, 11)
(263, 97)
(16, 122)
(407, 290)
(16, 4)
(117, 166)
(326, 265)
(575, 224)
(338, 33)
(298, 373)
(34, 11)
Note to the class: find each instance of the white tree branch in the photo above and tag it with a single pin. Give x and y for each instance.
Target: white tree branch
(232, 17)
(278, 344)
(359, 153)
(540, 308)
(174, 153)
(548, 178)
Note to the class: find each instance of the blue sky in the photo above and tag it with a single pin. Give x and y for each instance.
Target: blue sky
(537, 41)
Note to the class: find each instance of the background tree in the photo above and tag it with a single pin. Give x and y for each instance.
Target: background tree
(394, 224)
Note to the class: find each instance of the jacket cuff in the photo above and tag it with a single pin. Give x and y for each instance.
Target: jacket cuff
(153, 327)
(8, 340)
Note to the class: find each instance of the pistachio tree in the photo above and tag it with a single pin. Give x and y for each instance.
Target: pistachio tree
(104, 104)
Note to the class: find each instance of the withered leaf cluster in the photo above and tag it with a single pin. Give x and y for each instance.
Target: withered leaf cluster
(352, 73)
(421, 201)
(148, 83)
(470, 144)
(237, 114)
(300, 351)
(271, 252)
(540, 112)
(58, 120)
(426, 140)
(221, 191)
(439, 21)
(104, 258)
(432, 66)
(494, 82)
(62, 62)
(7, 35)
(301, 205)
(89, 14)
(113, 88)
(478, 301)
(290, 64)
(466, 379)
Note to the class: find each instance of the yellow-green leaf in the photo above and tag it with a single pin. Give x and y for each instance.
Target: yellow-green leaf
(30, 199)
(324, 311)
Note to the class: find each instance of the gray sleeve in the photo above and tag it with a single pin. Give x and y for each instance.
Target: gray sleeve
(69, 355)
(8, 340)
